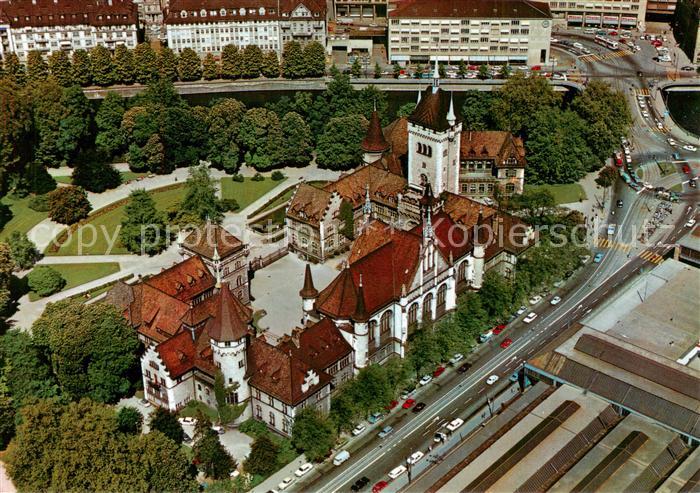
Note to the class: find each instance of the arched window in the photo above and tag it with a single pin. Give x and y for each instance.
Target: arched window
(386, 322)
(441, 298)
(462, 272)
(430, 151)
(427, 307)
(372, 326)
(413, 315)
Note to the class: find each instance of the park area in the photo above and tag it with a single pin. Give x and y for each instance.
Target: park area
(23, 218)
(247, 191)
(566, 193)
(78, 274)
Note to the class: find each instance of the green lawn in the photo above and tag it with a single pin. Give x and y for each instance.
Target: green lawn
(23, 218)
(563, 194)
(126, 176)
(248, 191)
(77, 274)
(97, 233)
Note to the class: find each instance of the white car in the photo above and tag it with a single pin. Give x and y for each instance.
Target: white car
(659, 125)
(415, 457)
(690, 223)
(690, 148)
(530, 317)
(555, 300)
(535, 299)
(425, 380)
(188, 420)
(456, 359)
(521, 310)
(645, 114)
(397, 471)
(492, 379)
(219, 429)
(285, 483)
(671, 142)
(303, 469)
(456, 423)
(358, 430)
(642, 104)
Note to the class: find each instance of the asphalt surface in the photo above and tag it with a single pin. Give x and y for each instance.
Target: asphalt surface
(459, 395)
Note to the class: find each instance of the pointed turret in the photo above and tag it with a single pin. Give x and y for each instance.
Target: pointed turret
(308, 291)
(451, 117)
(418, 100)
(360, 315)
(367, 207)
(436, 77)
(375, 142)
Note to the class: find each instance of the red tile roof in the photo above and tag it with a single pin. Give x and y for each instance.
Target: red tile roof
(389, 162)
(309, 204)
(185, 280)
(24, 13)
(431, 111)
(495, 145)
(397, 135)
(320, 345)
(452, 238)
(493, 9)
(202, 241)
(374, 141)
(230, 319)
(181, 353)
(239, 10)
(384, 186)
(279, 373)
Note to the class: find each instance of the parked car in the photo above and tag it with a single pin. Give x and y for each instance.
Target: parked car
(598, 257)
(492, 379)
(690, 148)
(585, 258)
(521, 310)
(690, 223)
(688, 68)
(373, 418)
(438, 371)
(439, 437)
(555, 300)
(285, 483)
(219, 429)
(188, 420)
(454, 424)
(692, 183)
(530, 317)
(415, 457)
(408, 393)
(379, 486)
(513, 377)
(506, 342)
(498, 329)
(456, 359)
(620, 204)
(419, 407)
(672, 142)
(535, 299)
(358, 430)
(360, 483)
(464, 368)
(391, 405)
(303, 469)
(425, 380)
(186, 438)
(341, 457)
(386, 431)
(409, 403)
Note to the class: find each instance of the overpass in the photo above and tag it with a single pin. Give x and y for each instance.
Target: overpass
(679, 86)
(260, 85)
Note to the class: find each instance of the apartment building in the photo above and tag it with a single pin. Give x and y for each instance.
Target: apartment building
(510, 31)
(207, 26)
(626, 14)
(68, 25)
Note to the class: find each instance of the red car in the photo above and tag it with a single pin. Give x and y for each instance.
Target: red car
(686, 169)
(498, 329)
(438, 371)
(506, 342)
(656, 43)
(379, 486)
(409, 403)
(392, 405)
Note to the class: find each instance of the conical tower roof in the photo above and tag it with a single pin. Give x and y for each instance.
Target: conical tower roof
(374, 141)
(360, 314)
(308, 291)
(230, 319)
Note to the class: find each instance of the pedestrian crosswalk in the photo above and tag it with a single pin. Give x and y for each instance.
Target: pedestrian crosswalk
(605, 56)
(652, 257)
(642, 92)
(612, 244)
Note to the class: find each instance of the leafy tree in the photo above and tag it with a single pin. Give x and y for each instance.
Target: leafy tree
(103, 71)
(476, 111)
(270, 66)
(519, 99)
(260, 137)
(252, 61)
(419, 71)
(14, 70)
(92, 349)
(397, 70)
(45, 281)
(167, 64)
(484, 72)
(166, 422)
(356, 68)
(313, 433)
(163, 464)
(297, 140)
(200, 199)
(496, 294)
(223, 123)
(314, 59)
(146, 64)
(154, 156)
(231, 62)
(227, 412)
(210, 68)
(506, 71)
(68, 205)
(6, 214)
(212, 457)
(344, 410)
(189, 65)
(143, 226)
(15, 131)
(74, 129)
(129, 420)
(462, 69)
(60, 67)
(7, 420)
(37, 69)
(405, 110)
(108, 119)
(24, 368)
(424, 351)
(607, 177)
(262, 459)
(94, 172)
(81, 68)
(556, 148)
(535, 204)
(24, 252)
(124, 65)
(293, 63)
(377, 71)
(7, 265)
(339, 146)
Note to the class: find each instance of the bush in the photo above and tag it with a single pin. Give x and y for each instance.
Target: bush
(229, 205)
(5, 215)
(278, 175)
(45, 281)
(39, 203)
(258, 177)
(129, 420)
(253, 427)
(239, 178)
(68, 205)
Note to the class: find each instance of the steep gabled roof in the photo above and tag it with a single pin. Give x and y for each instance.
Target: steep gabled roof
(384, 186)
(320, 345)
(492, 144)
(185, 280)
(397, 135)
(309, 203)
(431, 111)
(40, 13)
(204, 240)
(240, 10)
(451, 238)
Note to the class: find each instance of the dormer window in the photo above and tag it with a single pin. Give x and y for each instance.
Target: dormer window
(261, 11)
(183, 14)
(241, 11)
(222, 12)
(202, 13)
